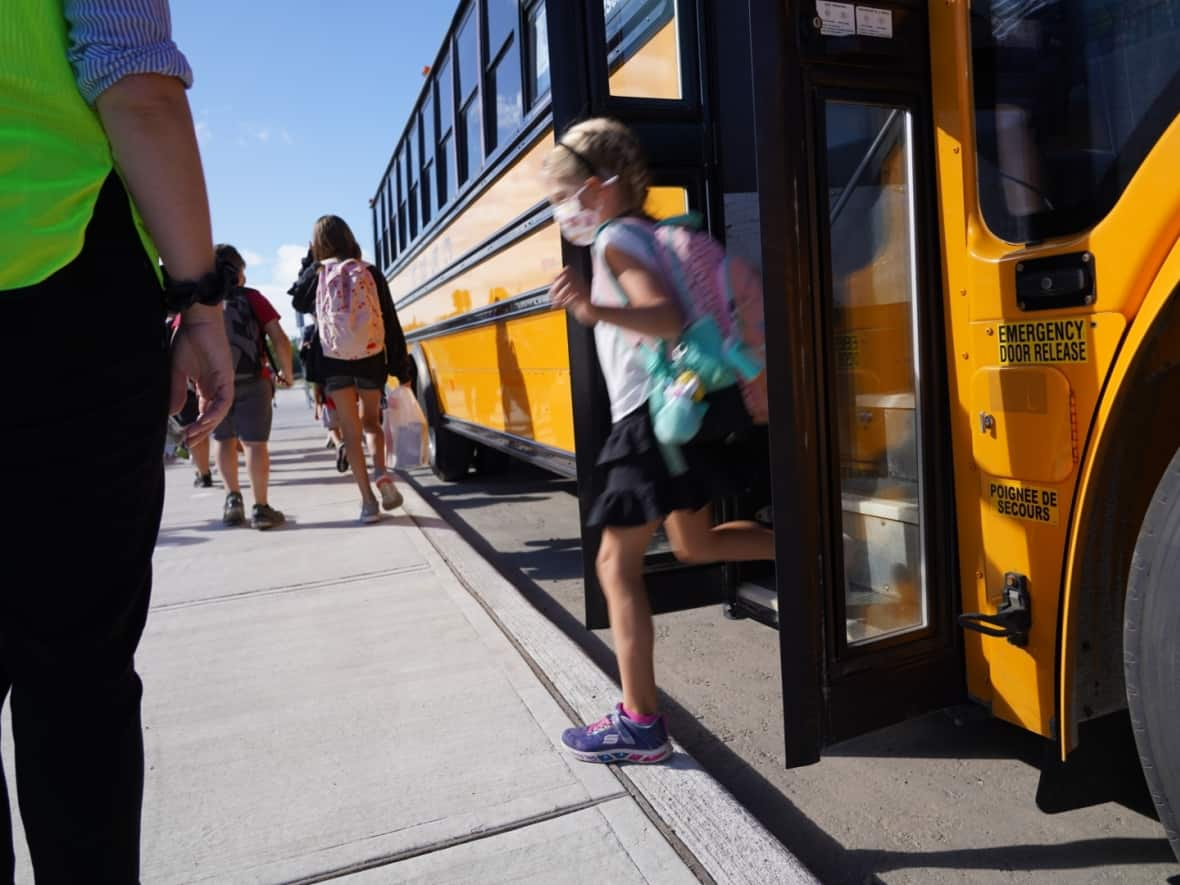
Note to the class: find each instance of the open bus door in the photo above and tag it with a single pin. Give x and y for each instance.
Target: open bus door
(868, 590)
(864, 585)
(637, 61)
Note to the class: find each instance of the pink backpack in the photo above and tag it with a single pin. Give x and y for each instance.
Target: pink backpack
(347, 311)
(710, 283)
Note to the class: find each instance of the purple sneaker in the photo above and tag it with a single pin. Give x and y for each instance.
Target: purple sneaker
(615, 738)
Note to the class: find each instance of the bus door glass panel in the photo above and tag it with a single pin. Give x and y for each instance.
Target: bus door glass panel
(876, 410)
(643, 48)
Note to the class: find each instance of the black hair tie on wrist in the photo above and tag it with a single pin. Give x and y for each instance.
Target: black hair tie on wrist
(209, 290)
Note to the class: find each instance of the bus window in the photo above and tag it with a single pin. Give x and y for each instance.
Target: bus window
(643, 48)
(391, 218)
(444, 88)
(427, 126)
(1070, 96)
(470, 132)
(401, 203)
(501, 23)
(538, 52)
(473, 142)
(876, 409)
(412, 178)
(505, 95)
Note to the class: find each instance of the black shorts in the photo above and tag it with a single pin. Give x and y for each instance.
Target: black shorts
(639, 487)
(250, 416)
(364, 374)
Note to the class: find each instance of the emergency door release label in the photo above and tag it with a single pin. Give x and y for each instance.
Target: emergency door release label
(1045, 341)
(1018, 500)
(872, 22)
(836, 19)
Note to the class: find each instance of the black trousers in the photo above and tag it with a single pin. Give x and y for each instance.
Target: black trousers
(81, 442)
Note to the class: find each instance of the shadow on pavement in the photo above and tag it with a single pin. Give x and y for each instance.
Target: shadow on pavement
(824, 855)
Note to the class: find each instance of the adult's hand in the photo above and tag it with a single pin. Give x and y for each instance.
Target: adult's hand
(200, 351)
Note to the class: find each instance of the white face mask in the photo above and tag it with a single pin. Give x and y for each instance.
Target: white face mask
(578, 224)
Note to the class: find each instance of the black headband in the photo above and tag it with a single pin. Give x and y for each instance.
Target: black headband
(581, 158)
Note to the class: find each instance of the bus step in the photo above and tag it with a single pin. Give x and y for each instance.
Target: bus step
(757, 599)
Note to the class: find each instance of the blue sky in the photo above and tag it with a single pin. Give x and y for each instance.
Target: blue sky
(298, 104)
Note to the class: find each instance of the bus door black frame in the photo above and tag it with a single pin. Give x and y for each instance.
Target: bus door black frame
(676, 136)
(831, 692)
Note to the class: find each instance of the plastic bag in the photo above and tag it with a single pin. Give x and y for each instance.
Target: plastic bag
(406, 443)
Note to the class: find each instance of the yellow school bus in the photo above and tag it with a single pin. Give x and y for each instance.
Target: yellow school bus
(967, 219)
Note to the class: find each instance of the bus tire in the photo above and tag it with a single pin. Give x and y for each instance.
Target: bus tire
(1151, 649)
(450, 453)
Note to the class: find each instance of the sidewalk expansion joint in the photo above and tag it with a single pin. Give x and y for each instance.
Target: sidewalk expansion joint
(683, 851)
(360, 577)
(377, 863)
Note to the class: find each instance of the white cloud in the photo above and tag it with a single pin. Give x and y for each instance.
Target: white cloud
(204, 133)
(276, 278)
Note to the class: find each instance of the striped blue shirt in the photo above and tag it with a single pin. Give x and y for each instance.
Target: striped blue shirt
(112, 39)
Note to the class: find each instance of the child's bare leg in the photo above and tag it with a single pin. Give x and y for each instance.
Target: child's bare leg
(695, 539)
(620, 571)
(200, 453)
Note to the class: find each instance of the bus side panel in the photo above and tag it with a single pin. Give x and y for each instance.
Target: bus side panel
(516, 192)
(527, 265)
(1136, 432)
(510, 376)
(1022, 416)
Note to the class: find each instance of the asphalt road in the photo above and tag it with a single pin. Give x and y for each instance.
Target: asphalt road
(947, 798)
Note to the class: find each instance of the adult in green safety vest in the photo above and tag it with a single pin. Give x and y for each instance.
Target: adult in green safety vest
(93, 121)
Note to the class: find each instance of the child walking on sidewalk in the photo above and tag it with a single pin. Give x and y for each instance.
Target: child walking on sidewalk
(597, 176)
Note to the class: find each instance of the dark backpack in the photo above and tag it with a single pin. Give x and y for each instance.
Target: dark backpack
(245, 335)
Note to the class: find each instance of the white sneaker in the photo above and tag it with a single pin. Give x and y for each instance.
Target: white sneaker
(390, 496)
(369, 512)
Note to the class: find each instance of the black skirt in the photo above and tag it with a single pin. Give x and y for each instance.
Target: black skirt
(638, 486)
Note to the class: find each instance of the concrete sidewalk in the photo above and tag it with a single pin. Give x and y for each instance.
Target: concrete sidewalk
(332, 702)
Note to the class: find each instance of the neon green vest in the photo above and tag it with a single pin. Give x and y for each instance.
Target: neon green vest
(54, 155)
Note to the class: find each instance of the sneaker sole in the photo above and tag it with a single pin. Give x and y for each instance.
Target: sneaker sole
(392, 501)
(634, 757)
(264, 526)
(370, 518)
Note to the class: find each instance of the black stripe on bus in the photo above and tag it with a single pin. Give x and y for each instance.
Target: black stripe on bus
(549, 458)
(516, 307)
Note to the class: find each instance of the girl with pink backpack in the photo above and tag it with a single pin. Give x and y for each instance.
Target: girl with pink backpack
(644, 322)
(362, 345)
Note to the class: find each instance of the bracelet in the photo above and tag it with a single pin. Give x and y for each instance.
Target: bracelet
(209, 290)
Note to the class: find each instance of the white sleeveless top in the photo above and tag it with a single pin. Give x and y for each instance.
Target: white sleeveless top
(620, 355)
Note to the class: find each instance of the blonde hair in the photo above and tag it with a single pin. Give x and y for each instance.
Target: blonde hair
(605, 148)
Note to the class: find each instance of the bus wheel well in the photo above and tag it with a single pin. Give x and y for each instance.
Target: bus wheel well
(1128, 468)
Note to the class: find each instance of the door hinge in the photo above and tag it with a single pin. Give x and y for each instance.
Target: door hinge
(1012, 619)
